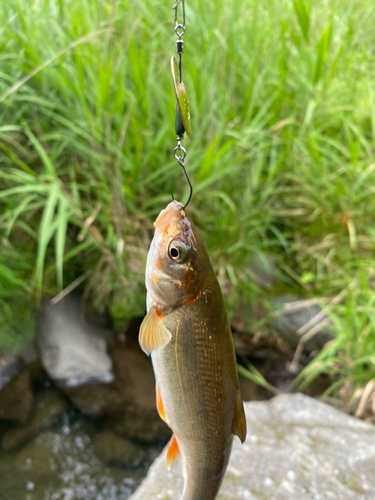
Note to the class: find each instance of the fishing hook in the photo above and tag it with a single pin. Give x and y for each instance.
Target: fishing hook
(181, 162)
(190, 186)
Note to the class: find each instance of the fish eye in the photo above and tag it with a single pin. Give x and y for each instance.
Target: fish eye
(174, 252)
(178, 251)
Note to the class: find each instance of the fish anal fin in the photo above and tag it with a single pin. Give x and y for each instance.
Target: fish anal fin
(159, 405)
(173, 452)
(153, 334)
(239, 422)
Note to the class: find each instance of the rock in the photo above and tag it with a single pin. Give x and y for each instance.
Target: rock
(48, 405)
(9, 367)
(72, 351)
(115, 449)
(34, 457)
(294, 314)
(128, 404)
(16, 398)
(29, 355)
(297, 448)
(144, 426)
(63, 463)
(15, 388)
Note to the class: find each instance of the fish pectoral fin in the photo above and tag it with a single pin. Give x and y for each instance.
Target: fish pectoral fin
(173, 451)
(239, 422)
(153, 334)
(159, 405)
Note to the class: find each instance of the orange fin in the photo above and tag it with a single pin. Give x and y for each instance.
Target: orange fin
(239, 422)
(173, 451)
(153, 334)
(159, 405)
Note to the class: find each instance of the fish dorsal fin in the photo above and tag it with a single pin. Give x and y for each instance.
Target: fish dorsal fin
(239, 422)
(173, 452)
(153, 334)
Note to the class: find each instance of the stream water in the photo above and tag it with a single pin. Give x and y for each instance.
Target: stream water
(74, 459)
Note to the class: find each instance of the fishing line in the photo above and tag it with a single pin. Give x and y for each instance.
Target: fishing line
(182, 117)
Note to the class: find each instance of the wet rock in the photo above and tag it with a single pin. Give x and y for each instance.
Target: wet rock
(115, 449)
(297, 448)
(64, 463)
(48, 405)
(9, 367)
(293, 315)
(144, 426)
(33, 457)
(133, 385)
(29, 355)
(72, 351)
(16, 398)
(15, 388)
(128, 403)
(98, 400)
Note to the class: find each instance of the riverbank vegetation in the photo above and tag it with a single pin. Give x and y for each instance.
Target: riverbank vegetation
(281, 156)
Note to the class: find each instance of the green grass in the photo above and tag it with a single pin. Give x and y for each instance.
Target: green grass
(281, 156)
(351, 355)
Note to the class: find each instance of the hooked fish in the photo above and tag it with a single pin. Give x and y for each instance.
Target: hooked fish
(187, 333)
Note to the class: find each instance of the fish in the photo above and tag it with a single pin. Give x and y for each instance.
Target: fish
(187, 333)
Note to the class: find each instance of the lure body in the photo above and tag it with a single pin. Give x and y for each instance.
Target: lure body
(187, 333)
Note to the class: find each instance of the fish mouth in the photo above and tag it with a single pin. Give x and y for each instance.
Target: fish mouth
(172, 221)
(175, 210)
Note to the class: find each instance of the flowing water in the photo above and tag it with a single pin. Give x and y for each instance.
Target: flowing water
(74, 459)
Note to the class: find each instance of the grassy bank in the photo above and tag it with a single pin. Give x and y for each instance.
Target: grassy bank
(281, 157)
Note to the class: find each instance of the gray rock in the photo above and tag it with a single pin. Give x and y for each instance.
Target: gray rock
(16, 398)
(291, 319)
(115, 449)
(48, 406)
(297, 448)
(72, 352)
(128, 403)
(11, 365)
(15, 385)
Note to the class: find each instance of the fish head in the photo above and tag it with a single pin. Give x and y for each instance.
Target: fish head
(177, 262)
